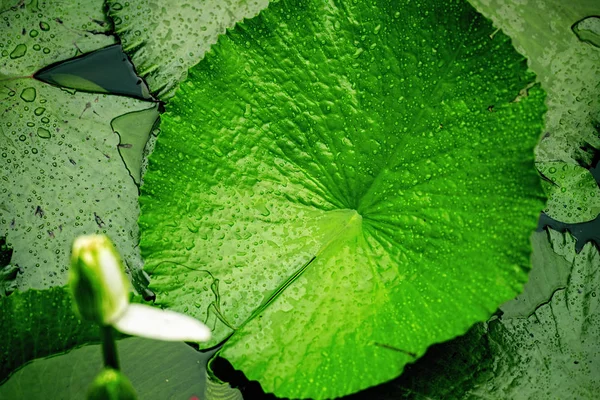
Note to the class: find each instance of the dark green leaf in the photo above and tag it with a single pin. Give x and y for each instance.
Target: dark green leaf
(39, 323)
(157, 370)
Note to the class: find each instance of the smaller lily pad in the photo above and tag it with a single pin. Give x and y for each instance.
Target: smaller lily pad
(573, 194)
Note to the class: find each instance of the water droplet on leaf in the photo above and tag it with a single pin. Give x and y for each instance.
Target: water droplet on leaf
(588, 30)
(28, 94)
(19, 51)
(43, 133)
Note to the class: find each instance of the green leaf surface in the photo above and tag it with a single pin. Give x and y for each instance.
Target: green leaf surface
(573, 194)
(36, 34)
(157, 370)
(340, 186)
(61, 172)
(37, 324)
(165, 40)
(551, 354)
(549, 273)
(568, 67)
(134, 130)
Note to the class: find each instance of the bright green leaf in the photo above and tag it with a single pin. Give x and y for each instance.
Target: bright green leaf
(568, 67)
(341, 186)
(163, 40)
(61, 172)
(573, 194)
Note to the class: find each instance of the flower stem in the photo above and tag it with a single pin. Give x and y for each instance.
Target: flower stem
(109, 347)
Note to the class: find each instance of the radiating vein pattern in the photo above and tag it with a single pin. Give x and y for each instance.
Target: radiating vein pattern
(381, 139)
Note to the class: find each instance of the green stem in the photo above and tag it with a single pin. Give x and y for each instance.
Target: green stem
(109, 347)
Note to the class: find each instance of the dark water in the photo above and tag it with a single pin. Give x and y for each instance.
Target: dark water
(108, 68)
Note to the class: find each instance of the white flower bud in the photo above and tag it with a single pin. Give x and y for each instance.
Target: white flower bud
(97, 279)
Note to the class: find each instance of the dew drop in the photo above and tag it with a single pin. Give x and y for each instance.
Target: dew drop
(19, 51)
(347, 142)
(44, 26)
(588, 30)
(28, 94)
(43, 133)
(117, 6)
(217, 151)
(33, 33)
(39, 111)
(22, 138)
(37, 47)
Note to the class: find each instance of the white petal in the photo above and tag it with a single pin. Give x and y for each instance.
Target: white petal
(154, 323)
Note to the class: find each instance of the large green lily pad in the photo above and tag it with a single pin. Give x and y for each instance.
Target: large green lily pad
(62, 174)
(340, 186)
